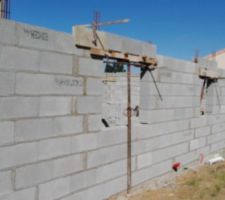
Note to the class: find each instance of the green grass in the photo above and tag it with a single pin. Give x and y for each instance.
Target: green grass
(207, 183)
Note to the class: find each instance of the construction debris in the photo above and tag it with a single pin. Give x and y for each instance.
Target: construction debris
(215, 160)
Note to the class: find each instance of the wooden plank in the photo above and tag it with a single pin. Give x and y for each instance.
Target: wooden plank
(124, 57)
(207, 73)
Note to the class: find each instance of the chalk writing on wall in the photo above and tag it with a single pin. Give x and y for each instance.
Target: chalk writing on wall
(68, 82)
(37, 35)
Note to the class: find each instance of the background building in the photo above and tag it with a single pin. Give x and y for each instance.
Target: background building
(219, 57)
(5, 9)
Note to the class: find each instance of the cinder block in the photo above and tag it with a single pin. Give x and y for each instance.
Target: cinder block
(68, 165)
(175, 89)
(22, 194)
(41, 172)
(35, 129)
(70, 125)
(98, 175)
(154, 116)
(218, 128)
(206, 63)
(42, 38)
(216, 119)
(152, 144)
(149, 49)
(131, 46)
(6, 133)
(187, 158)
(176, 65)
(100, 192)
(84, 142)
(201, 132)
(80, 51)
(112, 136)
(89, 104)
(8, 32)
(5, 183)
(94, 86)
(153, 171)
(53, 106)
(216, 137)
(83, 180)
(33, 174)
(106, 155)
(169, 102)
(105, 190)
(138, 47)
(109, 137)
(56, 63)
(217, 146)
(199, 122)
(64, 42)
(17, 155)
(168, 76)
(94, 122)
(54, 189)
(87, 142)
(40, 84)
(197, 143)
(148, 131)
(7, 83)
(114, 42)
(144, 160)
(54, 147)
(170, 152)
(116, 169)
(194, 144)
(185, 113)
(18, 107)
(90, 67)
(23, 59)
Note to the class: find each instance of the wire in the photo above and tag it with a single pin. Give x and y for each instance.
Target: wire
(156, 85)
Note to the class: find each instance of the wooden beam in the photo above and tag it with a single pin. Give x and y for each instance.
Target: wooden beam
(124, 57)
(208, 73)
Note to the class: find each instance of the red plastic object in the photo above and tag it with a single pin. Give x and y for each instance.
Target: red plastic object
(176, 166)
(201, 158)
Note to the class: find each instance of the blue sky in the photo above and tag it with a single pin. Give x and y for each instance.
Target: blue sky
(177, 27)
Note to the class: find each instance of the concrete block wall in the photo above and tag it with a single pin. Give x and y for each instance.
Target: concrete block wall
(174, 129)
(114, 106)
(52, 143)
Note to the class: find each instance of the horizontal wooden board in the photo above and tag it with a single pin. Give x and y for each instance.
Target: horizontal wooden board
(208, 73)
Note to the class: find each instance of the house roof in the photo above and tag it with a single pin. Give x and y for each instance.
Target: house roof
(222, 51)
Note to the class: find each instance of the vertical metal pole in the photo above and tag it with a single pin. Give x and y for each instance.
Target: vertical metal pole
(129, 173)
(2, 8)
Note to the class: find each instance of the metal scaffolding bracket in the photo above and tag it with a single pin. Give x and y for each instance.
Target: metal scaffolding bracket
(99, 47)
(209, 76)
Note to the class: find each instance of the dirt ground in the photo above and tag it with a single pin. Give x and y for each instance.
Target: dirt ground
(206, 183)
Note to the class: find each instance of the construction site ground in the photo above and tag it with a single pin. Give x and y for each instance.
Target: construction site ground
(205, 183)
